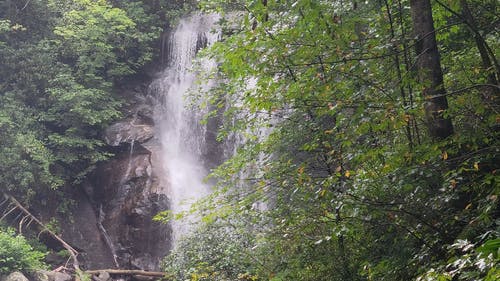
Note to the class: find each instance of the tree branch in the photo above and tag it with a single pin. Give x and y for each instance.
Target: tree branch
(73, 253)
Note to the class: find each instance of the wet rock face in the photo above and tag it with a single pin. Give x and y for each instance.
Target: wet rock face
(128, 195)
(78, 226)
(111, 218)
(112, 225)
(126, 191)
(82, 233)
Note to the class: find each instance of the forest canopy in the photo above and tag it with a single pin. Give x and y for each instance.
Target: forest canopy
(368, 130)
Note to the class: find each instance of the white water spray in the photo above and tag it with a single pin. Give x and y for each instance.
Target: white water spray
(181, 135)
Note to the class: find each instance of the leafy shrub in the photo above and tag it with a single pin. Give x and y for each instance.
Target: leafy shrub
(471, 263)
(16, 254)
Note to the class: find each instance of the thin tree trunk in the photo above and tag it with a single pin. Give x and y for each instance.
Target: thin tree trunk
(480, 43)
(429, 70)
(397, 63)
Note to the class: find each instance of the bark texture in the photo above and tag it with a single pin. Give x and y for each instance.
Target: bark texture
(429, 70)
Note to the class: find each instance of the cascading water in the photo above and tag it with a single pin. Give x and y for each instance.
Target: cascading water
(182, 137)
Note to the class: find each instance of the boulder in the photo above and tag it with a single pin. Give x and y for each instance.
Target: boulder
(15, 276)
(102, 276)
(43, 275)
(40, 275)
(128, 131)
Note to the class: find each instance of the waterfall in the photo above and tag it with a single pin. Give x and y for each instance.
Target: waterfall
(182, 137)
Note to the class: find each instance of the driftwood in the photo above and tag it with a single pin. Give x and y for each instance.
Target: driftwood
(73, 253)
(129, 272)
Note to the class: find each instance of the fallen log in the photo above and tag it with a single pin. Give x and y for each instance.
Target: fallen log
(128, 272)
(73, 253)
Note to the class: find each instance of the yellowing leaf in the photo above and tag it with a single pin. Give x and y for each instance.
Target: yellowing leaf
(347, 173)
(476, 166)
(444, 155)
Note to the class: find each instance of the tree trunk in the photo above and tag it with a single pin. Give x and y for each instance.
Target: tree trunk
(429, 70)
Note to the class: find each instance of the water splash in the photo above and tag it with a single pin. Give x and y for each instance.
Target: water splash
(181, 135)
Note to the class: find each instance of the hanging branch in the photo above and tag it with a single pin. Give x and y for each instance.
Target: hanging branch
(6, 213)
(23, 220)
(26, 5)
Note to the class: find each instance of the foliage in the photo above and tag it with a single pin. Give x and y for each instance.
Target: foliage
(61, 61)
(223, 253)
(102, 40)
(16, 254)
(474, 263)
(324, 98)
